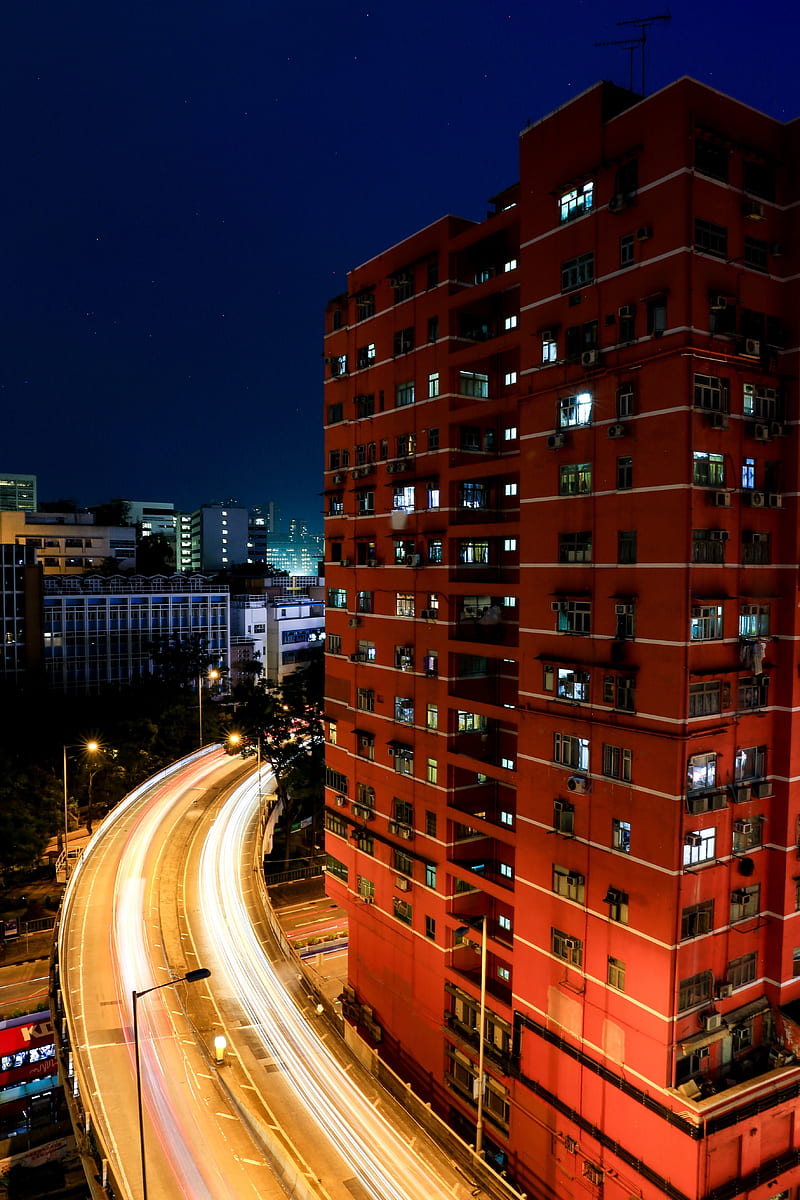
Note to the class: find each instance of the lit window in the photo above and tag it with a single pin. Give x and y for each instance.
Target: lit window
(510, 489)
(510, 433)
(575, 410)
(432, 773)
(509, 543)
(510, 265)
(699, 847)
(433, 384)
(511, 322)
(510, 378)
(575, 202)
(549, 348)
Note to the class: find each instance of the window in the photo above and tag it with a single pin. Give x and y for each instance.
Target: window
(711, 238)
(510, 378)
(365, 503)
(756, 548)
(746, 835)
(404, 394)
(575, 410)
(753, 692)
(432, 772)
(748, 473)
(365, 306)
(708, 545)
(510, 433)
(402, 910)
(616, 973)
(704, 698)
(759, 178)
(430, 824)
(337, 598)
(751, 763)
(627, 323)
(433, 272)
(509, 544)
(364, 602)
(624, 473)
(570, 684)
(710, 393)
(432, 717)
(336, 780)
(626, 546)
(403, 760)
(430, 928)
(549, 348)
(365, 699)
(403, 285)
(625, 400)
(338, 365)
(568, 884)
(366, 746)
(406, 445)
(744, 902)
(574, 616)
(575, 202)
(754, 620)
(564, 817)
(335, 413)
(576, 272)
(570, 751)
(742, 971)
(708, 469)
(433, 329)
(699, 847)
(621, 835)
(403, 498)
(575, 479)
(696, 989)
(755, 253)
(711, 159)
(617, 763)
(404, 604)
(566, 947)
(511, 322)
(403, 342)
(575, 547)
(433, 384)
(365, 356)
(433, 444)
(627, 245)
(473, 495)
(473, 550)
(697, 919)
(620, 692)
(471, 383)
(701, 772)
(706, 622)
(510, 489)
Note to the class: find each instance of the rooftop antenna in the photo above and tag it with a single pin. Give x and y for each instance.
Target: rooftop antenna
(631, 45)
(644, 23)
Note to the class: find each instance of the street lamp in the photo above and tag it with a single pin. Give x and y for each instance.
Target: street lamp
(212, 676)
(460, 932)
(189, 977)
(89, 748)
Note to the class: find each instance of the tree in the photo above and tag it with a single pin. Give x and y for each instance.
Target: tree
(112, 512)
(155, 555)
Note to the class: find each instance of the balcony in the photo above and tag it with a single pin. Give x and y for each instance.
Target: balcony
(486, 619)
(482, 799)
(489, 680)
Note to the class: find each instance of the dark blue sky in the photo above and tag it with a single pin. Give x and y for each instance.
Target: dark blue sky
(185, 185)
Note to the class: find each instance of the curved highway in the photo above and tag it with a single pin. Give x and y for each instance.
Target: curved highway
(167, 885)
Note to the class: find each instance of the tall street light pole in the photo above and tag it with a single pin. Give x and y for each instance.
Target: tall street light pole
(463, 929)
(212, 676)
(189, 977)
(90, 748)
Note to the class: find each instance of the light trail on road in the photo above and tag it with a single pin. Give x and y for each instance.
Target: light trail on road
(385, 1165)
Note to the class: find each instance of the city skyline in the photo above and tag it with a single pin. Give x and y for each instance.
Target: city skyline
(181, 204)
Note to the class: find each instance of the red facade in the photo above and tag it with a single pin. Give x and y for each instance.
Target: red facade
(561, 550)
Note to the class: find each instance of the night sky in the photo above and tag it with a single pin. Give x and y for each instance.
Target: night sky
(186, 185)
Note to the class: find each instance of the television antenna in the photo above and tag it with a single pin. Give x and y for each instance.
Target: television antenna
(643, 24)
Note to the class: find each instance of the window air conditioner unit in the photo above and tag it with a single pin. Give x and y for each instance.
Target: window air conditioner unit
(354, 622)
(573, 880)
(341, 801)
(344, 562)
(740, 896)
(724, 991)
(722, 499)
(694, 840)
(712, 1021)
(579, 784)
(742, 826)
(623, 610)
(761, 790)
(338, 477)
(372, 562)
(718, 535)
(617, 203)
(741, 793)
(627, 310)
(644, 233)
(775, 501)
(414, 560)
(359, 656)
(429, 614)
(718, 420)
(616, 431)
(776, 429)
(751, 348)
(756, 499)
(761, 433)
(556, 441)
(753, 210)
(557, 605)
(368, 899)
(405, 832)
(590, 358)
(402, 884)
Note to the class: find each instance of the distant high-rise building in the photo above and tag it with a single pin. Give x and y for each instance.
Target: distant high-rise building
(212, 538)
(264, 522)
(563, 670)
(20, 612)
(17, 493)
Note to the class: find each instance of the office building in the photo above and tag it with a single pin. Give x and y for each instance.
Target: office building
(562, 566)
(69, 543)
(20, 612)
(212, 538)
(17, 493)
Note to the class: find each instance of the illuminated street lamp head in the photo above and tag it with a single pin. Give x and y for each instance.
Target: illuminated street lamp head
(92, 747)
(213, 674)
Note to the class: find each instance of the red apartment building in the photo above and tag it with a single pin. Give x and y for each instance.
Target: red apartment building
(562, 556)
